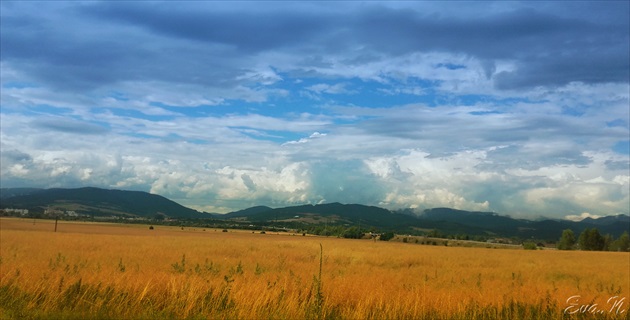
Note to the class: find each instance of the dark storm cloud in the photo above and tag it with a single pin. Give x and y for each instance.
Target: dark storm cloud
(402, 31)
(207, 43)
(73, 51)
(16, 156)
(605, 65)
(249, 31)
(548, 49)
(61, 55)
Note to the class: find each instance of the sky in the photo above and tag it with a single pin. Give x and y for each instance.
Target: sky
(520, 108)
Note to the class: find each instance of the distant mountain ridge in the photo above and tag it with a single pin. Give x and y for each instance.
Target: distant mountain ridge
(103, 202)
(445, 220)
(608, 219)
(13, 192)
(494, 223)
(96, 202)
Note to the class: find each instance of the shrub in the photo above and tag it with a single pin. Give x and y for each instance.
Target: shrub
(529, 245)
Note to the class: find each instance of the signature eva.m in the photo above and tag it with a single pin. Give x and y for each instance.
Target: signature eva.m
(613, 305)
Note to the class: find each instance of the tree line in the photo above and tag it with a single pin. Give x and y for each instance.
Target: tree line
(592, 240)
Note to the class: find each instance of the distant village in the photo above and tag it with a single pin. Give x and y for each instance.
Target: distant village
(14, 212)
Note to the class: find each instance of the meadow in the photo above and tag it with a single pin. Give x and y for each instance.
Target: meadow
(110, 271)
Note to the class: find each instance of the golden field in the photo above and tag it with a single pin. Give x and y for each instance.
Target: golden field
(111, 271)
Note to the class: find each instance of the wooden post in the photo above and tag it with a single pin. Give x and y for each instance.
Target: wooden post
(56, 219)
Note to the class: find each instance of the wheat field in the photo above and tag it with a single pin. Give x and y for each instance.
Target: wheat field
(110, 271)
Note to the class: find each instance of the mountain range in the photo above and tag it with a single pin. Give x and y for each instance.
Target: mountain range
(102, 202)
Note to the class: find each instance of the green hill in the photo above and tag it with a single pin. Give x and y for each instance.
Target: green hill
(97, 202)
(6, 193)
(353, 214)
(245, 212)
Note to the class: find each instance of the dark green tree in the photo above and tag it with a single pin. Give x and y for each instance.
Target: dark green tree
(591, 240)
(608, 242)
(353, 233)
(435, 234)
(387, 236)
(622, 244)
(567, 240)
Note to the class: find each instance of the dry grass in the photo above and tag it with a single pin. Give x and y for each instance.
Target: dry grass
(124, 271)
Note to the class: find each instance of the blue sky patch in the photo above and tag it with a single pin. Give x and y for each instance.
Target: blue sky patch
(622, 147)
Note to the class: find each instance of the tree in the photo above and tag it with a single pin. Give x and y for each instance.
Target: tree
(591, 240)
(435, 234)
(622, 244)
(567, 240)
(387, 236)
(353, 233)
(608, 242)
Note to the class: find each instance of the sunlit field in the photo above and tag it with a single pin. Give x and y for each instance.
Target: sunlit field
(114, 271)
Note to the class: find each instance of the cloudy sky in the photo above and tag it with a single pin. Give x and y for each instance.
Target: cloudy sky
(514, 107)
